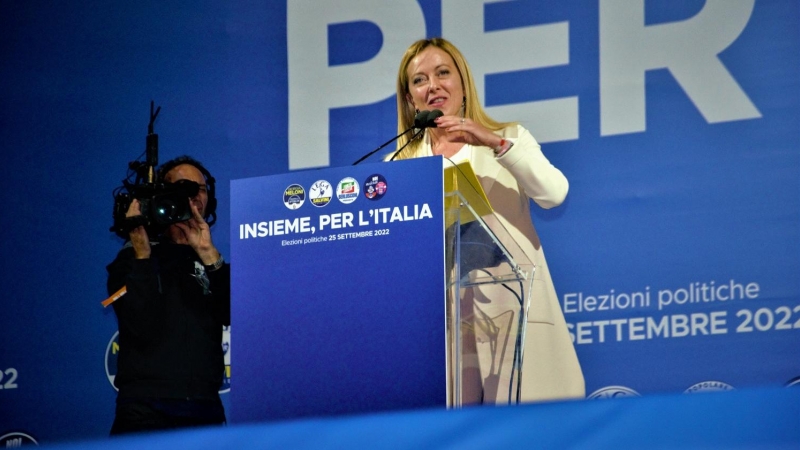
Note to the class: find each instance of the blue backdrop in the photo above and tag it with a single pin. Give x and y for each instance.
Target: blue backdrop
(676, 255)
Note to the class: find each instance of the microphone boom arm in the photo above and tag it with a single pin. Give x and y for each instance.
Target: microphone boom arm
(382, 146)
(416, 135)
(423, 119)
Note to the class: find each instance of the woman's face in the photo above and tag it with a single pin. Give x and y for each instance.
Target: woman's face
(434, 82)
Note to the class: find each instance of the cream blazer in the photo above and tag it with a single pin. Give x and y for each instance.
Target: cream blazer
(550, 368)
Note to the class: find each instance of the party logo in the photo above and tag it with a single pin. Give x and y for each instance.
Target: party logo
(375, 186)
(708, 386)
(294, 196)
(226, 351)
(112, 353)
(613, 392)
(16, 439)
(320, 193)
(347, 190)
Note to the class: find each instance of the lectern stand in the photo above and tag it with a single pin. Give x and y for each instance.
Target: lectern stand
(489, 281)
(371, 288)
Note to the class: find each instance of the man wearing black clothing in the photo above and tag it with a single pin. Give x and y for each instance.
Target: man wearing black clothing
(177, 299)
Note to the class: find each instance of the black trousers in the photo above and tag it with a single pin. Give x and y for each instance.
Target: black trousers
(154, 414)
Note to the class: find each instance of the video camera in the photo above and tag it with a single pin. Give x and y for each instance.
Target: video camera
(161, 203)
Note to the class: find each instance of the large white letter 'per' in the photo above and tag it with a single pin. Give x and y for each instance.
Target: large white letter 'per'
(689, 50)
(315, 87)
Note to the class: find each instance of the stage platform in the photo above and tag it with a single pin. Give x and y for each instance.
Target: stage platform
(755, 418)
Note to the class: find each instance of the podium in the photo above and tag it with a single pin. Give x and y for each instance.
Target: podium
(372, 288)
(489, 283)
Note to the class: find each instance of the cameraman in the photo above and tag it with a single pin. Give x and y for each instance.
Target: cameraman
(170, 366)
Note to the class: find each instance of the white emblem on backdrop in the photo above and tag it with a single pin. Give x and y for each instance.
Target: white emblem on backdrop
(112, 350)
(708, 386)
(613, 392)
(16, 439)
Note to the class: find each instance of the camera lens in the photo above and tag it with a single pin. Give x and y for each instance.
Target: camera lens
(166, 211)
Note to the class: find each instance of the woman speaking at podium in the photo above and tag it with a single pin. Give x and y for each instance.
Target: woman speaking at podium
(509, 163)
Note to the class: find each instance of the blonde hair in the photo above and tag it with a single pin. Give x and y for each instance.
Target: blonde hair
(406, 112)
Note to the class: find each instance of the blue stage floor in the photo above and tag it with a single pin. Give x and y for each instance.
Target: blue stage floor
(758, 418)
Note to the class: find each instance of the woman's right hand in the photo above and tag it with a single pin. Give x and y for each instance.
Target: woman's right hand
(467, 131)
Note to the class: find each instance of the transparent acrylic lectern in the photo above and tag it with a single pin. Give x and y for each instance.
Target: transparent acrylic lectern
(489, 281)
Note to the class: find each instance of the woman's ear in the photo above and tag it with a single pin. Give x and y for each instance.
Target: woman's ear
(411, 102)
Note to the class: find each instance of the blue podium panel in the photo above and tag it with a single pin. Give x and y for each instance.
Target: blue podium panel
(338, 291)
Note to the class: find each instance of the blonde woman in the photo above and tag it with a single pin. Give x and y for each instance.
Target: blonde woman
(512, 169)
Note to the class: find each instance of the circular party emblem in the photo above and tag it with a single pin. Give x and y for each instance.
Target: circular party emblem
(320, 193)
(294, 196)
(17, 439)
(112, 350)
(375, 186)
(612, 392)
(708, 386)
(347, 190)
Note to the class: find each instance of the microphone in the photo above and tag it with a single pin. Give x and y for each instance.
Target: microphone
(430, 118)
(426, 120)
(423, 119)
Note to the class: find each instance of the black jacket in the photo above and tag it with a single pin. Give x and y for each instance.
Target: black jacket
(170, 323)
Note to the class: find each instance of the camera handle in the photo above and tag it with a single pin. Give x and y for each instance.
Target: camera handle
(133, 222)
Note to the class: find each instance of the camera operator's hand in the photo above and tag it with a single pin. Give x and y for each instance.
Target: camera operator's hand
(139, 238)
(197, 234)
